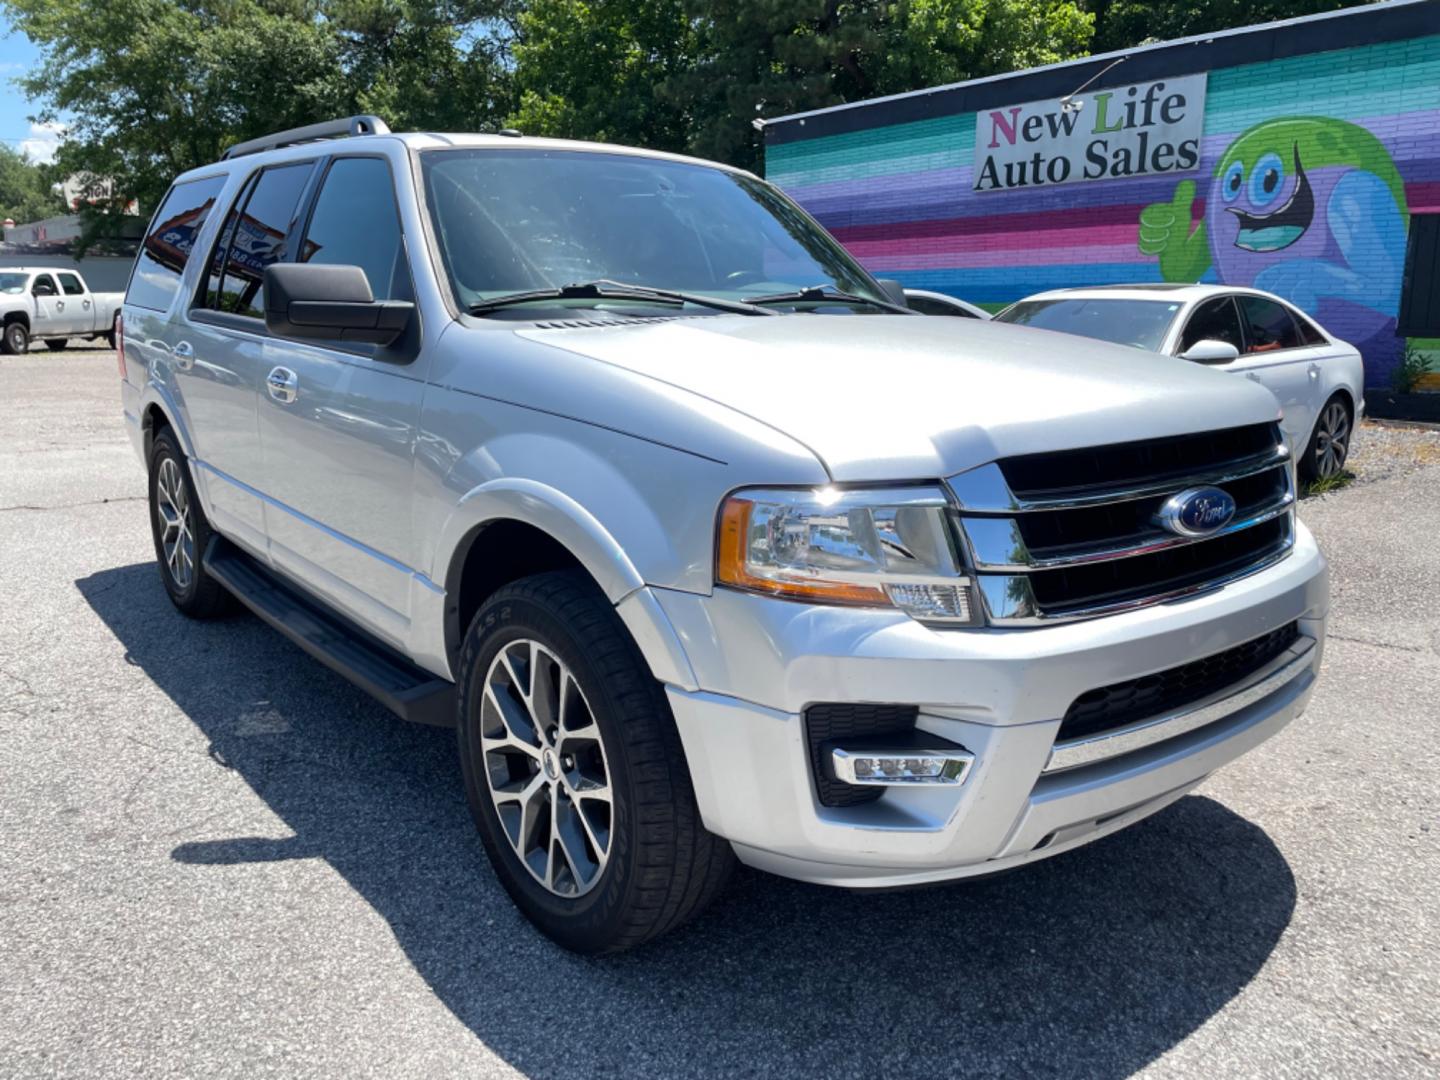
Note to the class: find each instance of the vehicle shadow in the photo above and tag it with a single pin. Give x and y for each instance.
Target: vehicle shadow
(1092, 963)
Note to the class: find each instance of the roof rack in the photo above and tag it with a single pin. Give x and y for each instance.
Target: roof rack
(347, 127)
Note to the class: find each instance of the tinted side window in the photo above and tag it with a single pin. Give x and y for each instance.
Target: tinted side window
(44, 285)
(1214, 320)
(927, 306)
(256, 238)
(71, 284)
(167, 245)
(1309, 333)
(1271, 326)
(359, 190)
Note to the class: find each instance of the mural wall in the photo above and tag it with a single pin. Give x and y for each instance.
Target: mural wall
(1310, 167)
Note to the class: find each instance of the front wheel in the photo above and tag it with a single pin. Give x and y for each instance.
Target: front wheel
(15, 339)
(574, 770)
(1329, 443)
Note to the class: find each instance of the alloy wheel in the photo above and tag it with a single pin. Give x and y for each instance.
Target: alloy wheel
(545, 766)
(177, 537)
(1332, 440)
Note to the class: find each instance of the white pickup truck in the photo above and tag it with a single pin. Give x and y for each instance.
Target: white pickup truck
(51, 305)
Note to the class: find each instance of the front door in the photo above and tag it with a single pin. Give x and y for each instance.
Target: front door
(49, 306)
(338, 422)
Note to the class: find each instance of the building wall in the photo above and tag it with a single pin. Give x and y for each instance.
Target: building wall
(900, 197)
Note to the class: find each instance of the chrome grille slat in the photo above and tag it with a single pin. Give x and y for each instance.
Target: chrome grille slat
(1089, 550)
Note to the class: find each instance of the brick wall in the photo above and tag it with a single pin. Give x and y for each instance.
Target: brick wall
(900, 198)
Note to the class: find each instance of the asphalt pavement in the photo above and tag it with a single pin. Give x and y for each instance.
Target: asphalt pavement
(217, 859)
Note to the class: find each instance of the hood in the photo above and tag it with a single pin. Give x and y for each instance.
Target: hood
(905, 398)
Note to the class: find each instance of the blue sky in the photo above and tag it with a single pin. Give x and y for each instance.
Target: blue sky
(16, 56)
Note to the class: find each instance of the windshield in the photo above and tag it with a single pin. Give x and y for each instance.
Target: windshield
(13, 283)
(510, 221)
(1141, 323)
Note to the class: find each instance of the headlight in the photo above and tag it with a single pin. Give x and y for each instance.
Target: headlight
(878, 547)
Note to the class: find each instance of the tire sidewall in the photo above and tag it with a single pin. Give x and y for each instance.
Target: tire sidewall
(596, 916)
(17, 340)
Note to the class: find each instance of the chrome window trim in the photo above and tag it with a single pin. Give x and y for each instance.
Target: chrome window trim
(1075, 753)
(996, 543)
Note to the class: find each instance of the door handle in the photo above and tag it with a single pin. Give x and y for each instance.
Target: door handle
(283, 384)
(59, 305)
(85, 303)
(184, 355)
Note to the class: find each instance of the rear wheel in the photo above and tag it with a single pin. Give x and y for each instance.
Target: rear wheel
(113, 335)
(574, 770)
(15, 339)
(181, 533)
(1329, 444)
(56, 344)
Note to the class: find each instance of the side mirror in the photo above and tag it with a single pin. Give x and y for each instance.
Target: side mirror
(894, 291)
(42, 289)
(1210, 351)
(316, 302)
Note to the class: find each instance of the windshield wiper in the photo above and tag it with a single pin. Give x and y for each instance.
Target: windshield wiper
(829, 294)
(613, 290)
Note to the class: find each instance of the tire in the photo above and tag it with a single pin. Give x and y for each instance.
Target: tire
(655, 866)
(181, 533)
(15, 339)
(56, 344)
(111, 337)
(1329, 443)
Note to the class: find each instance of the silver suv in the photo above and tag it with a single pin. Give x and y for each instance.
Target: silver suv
(620, 465)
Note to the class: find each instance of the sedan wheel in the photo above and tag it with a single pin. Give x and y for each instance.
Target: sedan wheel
(1331, 443)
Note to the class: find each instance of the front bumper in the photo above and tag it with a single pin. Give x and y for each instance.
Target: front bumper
(759, 663)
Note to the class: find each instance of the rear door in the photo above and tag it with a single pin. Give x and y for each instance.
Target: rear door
(339, 442)
(1276, 355)
(79, 308)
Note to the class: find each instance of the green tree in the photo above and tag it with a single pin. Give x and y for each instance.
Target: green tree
(156, 87)
(692, 75)
(1123, 24)
(25, 188)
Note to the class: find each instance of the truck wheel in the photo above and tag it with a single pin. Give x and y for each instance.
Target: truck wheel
(56, 344)
(574, 770)
(16, 339)
(1329, 443)
(181, 533)
(111, 336)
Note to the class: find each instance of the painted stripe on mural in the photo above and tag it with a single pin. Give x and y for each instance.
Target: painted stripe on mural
(1353, 83)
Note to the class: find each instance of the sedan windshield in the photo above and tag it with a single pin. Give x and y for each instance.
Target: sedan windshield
(1141, 323)
(13, 283)
(513, 221)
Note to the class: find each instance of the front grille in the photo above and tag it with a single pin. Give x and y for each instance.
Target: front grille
(1124, 703)
(1119, 465)
(1075, 534)
(847, 723)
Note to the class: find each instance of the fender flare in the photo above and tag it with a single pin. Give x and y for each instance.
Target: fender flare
(577, 530)
(158, 396)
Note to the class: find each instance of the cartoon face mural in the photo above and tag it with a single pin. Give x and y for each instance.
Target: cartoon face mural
(1309, 208)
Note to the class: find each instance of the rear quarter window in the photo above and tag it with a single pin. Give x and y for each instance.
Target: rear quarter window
(167, 245)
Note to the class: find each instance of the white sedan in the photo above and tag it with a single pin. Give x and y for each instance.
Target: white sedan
(1318, 379)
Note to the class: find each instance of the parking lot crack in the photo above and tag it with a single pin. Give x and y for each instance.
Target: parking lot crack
(74, 505)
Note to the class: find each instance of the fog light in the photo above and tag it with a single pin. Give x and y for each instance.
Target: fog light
(901, 767)
(933, 603)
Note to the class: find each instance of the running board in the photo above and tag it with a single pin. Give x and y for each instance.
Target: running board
(406, 690)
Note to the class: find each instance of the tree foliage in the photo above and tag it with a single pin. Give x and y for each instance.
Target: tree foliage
(1122, 24)
(26, 188)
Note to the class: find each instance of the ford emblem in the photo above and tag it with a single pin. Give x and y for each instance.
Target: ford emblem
(1197, 511)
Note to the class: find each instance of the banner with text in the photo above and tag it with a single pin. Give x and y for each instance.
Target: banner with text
(1140, 130)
